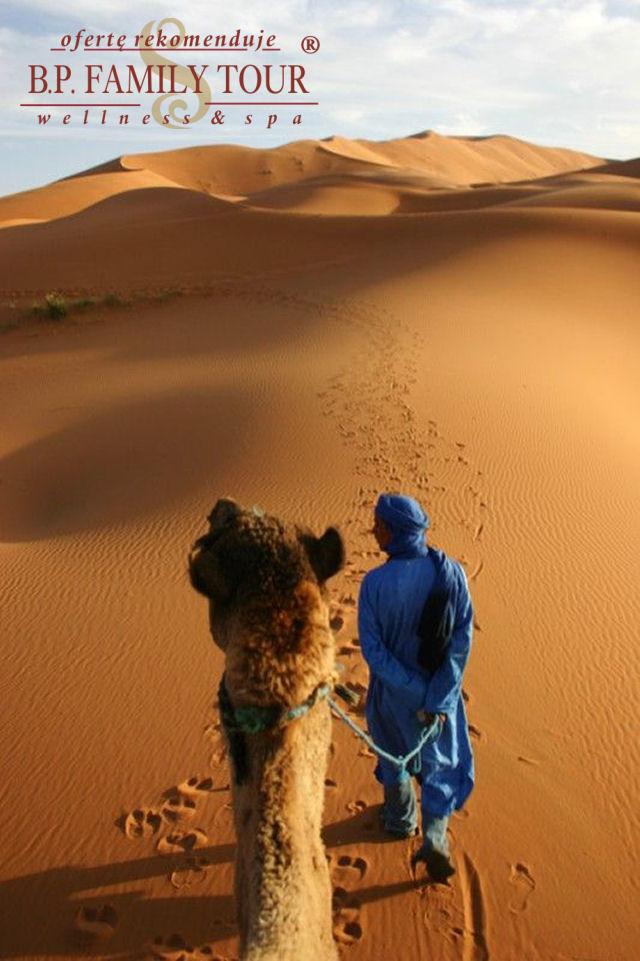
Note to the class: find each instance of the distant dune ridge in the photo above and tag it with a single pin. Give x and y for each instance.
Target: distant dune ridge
(335, 175)
(453, 317)
(208, 201)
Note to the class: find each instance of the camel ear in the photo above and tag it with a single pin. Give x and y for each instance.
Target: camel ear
(224, 511)
(326, 554)
(205, 572)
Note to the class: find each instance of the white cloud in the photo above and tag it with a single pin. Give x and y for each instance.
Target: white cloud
(463, 124)
(560, 71)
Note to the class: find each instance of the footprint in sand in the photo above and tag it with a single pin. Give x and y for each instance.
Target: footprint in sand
(92, 924)
(142, 823)
(336, 623)
(359, 691)
(348, 599)
(175, 948)
(347, 928)
(330, 783)
(218, 756)
(349, 870)
(181, 841)
(179, 808)
(356, 807)
(441, 911)
(191, 872)
(523, 885)
(193, 787)
(476, 733)
(353, 647)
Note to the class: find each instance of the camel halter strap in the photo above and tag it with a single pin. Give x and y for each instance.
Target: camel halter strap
(256, 718)
(238, 722)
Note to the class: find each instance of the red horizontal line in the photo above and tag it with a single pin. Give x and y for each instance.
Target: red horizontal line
(80, 105)
(166, 49)
(262, 103)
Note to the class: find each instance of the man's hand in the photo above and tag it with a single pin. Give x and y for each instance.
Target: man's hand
(427, 719)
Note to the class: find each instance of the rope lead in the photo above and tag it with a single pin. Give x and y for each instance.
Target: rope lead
(400, 762)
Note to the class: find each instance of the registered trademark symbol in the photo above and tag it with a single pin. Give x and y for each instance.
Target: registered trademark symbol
(310, 44)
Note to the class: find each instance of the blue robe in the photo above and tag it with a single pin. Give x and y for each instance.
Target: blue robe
(391, 600)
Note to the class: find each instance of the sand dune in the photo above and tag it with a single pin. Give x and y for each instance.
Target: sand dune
(467, 160)
(625, 168)
(362, 193)
(236, 170)
(456, 160)
(68, 196)
(337, 330)
(306, 175)
(198, 241)
(601, 196)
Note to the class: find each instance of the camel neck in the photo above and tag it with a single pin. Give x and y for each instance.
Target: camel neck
(282, 877)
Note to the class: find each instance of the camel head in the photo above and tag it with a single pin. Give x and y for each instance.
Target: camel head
(265, 582)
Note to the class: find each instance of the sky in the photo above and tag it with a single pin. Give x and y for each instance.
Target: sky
(556, 72)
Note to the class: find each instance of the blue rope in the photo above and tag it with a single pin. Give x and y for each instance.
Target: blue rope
(399, 762)
(256, 719)
(320, 692)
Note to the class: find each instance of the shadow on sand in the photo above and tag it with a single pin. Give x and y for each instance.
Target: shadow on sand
(38, 910)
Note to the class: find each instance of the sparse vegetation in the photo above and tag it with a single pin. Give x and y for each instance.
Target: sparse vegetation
(54, 306)
(82, 303)
(113, 300)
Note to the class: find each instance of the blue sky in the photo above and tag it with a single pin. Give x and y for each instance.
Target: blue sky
(557, 72)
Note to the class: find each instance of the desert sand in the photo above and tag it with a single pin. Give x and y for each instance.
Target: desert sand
(303, 328)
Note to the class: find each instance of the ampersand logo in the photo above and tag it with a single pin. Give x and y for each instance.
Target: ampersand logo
(171, 120)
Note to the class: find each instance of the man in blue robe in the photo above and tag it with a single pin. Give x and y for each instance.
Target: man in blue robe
(416, 681)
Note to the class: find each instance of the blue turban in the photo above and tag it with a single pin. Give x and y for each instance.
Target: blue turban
(407, 522)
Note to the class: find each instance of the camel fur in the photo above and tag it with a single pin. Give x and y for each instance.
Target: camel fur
(269, 614)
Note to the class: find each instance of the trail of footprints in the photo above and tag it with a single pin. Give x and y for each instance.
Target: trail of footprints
(174, 839)
(181, 843)
(370, 402)
(346, 871)
(176, 948)
(179, 804)
(165, 824)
